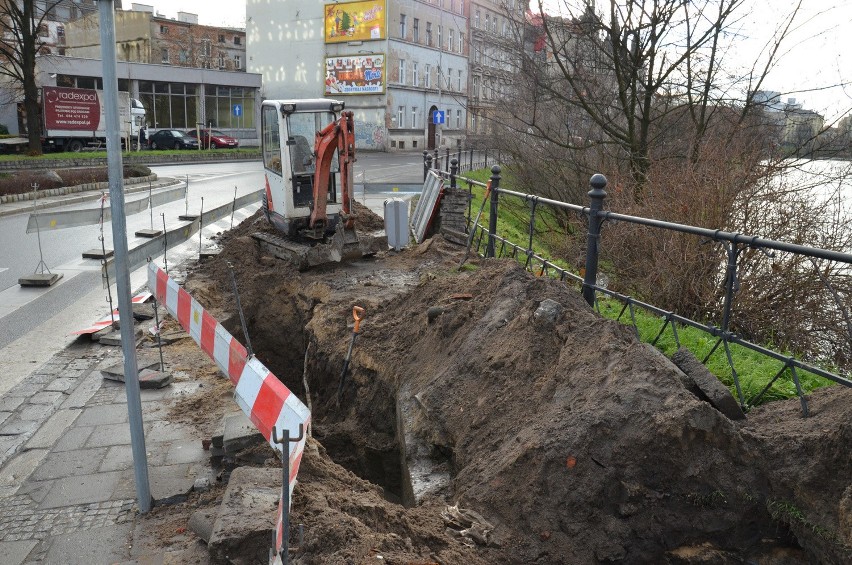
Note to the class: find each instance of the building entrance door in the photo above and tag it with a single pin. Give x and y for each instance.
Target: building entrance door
(432, 136)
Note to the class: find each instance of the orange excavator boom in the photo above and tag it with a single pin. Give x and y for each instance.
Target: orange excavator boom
(339, 135)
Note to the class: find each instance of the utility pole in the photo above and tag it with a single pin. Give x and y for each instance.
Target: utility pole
(122, 269)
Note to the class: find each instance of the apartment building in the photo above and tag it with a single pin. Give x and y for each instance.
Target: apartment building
(398, 64)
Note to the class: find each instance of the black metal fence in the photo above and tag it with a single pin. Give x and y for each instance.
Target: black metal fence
(486, 242)
(466, 160)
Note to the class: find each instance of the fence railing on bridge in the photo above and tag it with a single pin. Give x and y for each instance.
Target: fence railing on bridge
(487, 243)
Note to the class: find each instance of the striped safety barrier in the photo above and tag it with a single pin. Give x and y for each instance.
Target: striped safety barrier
(263, 398)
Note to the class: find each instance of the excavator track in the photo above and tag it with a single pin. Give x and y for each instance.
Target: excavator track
(344, 245)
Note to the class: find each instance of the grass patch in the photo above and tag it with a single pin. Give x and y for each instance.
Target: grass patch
(754, 370)
(788, 513)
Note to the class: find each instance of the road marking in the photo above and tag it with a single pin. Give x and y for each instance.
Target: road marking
(3, 269)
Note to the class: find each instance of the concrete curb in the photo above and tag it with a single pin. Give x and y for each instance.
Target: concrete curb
(63, 190)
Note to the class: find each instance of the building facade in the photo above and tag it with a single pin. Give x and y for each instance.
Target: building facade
(398, 64)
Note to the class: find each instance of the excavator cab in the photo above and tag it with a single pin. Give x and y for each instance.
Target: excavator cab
(308, 154)
(294, 202)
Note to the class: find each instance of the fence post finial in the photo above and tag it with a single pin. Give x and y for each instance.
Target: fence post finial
(454, 171)
(596, 196)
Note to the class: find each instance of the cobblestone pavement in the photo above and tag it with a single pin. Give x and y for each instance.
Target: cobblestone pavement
(67, 486)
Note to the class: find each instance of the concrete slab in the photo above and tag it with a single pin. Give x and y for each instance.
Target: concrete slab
(82, 489)
(19, 468)
(168, 482)
(114, 337)
(19, 428)
(143, 361)
(100, 545)
(75, 438)
(84, 392)
(69, 464)
(103, 414)
(112, 434)
(47, 398)
(61, 385)
(240, 433)
(40, 279)
(188, 217)
(710, 388)
(148, 233)
(53, 429)
(246, 515)
(97, 253)
(118, 458)
(16, 552)
(152, 379)
(162, 431)
(144, 311)
(186, 451)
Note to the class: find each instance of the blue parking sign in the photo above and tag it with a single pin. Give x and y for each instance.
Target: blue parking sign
(437, 117)
(238, 110)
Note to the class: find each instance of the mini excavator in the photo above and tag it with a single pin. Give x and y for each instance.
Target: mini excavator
(308, 193)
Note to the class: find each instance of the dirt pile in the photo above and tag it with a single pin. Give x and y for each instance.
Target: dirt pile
(576, 442)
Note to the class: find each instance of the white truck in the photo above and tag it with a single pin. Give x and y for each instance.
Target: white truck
(73, 118)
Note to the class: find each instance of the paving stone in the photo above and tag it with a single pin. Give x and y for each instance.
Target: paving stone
(16, 552)
(142, 362)
(4, 416)
(81, 489)
(50, 432)
(17, 427)
(186, 451)
(48, 398)
(84, 392)
(70, 463)
(10, 403)
(118, 458)
(20, 467)
(163, 431)
(240, 433)
(75, 438)
(36, 492)
(106, 414)
(34, 412)
(102, 545)
(201, 522)
(60, 385)
(111, 434)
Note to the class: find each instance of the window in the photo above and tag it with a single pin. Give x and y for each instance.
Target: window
(414, 77)
(271, 140)
(221, 38)
(473, 122)
(238, 62)
(165, 56)
(429, 34)
(400, 112)
(428, 78)
(458, 119)
(505, 31)
(414, 117)
(164, 30)
(459, 81)
(402, 29)
(206, 47)
(487, 22)
(476, 87)
(60, 31)
(461, 42)
(416, 30)
(43, 30)
(402, 71)
(183, 57)
(476, 20)
(461, 7)
(450, 41)
(221, 61)
(449, 78)
(477, 53)
(440, 36)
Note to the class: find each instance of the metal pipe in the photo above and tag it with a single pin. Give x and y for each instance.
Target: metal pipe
(240, 308)
(119, 237)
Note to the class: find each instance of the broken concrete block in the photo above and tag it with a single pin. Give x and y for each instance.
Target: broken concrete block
(240, 433)
(201, 522)
(115, 371)
(145, 311)
(241, 531)
(548, 312)
(114, 337)
(711, 389)
(151, 378)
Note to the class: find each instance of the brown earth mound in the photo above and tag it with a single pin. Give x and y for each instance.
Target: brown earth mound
(573, 442)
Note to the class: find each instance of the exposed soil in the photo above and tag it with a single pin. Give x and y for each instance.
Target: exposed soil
(569, 441)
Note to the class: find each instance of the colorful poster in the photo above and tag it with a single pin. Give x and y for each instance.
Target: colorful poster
(355, 74)
(74, 109)
(355, 21)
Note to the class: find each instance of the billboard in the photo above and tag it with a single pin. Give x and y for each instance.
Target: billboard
(71, 109)
(355, 74)
(355, 21)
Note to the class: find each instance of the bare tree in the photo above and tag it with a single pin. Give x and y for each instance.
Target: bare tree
(20, 43)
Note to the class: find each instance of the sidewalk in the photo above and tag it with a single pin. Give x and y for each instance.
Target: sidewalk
(67, 484)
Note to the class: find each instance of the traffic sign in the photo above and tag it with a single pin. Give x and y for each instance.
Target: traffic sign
(238, 110)
(438, 117)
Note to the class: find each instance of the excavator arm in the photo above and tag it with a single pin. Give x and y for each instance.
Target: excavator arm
(339, 135)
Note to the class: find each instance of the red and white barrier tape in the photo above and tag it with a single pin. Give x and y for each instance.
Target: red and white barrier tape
(263, 398)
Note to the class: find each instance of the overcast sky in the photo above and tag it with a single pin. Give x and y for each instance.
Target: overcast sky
(817, 55)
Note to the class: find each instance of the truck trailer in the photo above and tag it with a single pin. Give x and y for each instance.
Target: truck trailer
(73, 118)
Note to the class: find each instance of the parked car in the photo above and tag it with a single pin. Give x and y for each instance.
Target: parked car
(214, 138)
(171, 139)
